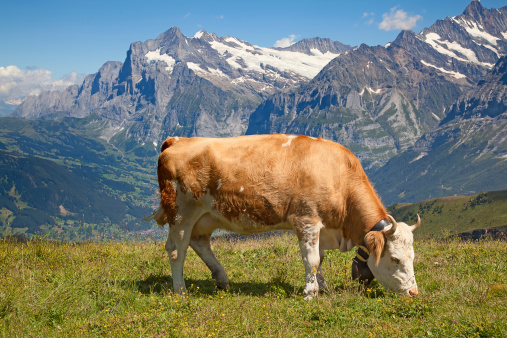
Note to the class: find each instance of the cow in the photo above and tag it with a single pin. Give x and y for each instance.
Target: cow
(260, 183)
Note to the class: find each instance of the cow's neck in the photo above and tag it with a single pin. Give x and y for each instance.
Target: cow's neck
(364, 210)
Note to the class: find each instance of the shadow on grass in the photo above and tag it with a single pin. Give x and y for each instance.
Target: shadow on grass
(163, 284)
(276, 288)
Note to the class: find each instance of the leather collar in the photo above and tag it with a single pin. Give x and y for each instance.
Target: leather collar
(380, 225)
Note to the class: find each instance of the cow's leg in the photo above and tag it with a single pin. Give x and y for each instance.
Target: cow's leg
(176, 246)
(320, 273)
(308, 235)
(201, 245)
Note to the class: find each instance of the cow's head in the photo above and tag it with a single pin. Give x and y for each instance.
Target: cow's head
(391, 257)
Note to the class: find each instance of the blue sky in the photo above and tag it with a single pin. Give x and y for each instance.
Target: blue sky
(60, 41)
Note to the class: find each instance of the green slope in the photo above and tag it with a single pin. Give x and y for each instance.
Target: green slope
(452, 215)
(60, 173)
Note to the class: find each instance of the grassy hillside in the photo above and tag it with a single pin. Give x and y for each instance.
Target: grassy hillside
(123, 289)
(60, 178)
(453, 215)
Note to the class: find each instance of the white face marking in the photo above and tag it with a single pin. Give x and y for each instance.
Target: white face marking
(395, 270)
(241, 190)
(287, 144)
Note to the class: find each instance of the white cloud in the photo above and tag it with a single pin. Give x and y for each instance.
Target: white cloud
(285, 42)
(398, 19)
(221, 17)
(370, 16)
(16, 84)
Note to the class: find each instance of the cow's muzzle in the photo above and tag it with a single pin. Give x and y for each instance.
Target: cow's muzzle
(413, 292)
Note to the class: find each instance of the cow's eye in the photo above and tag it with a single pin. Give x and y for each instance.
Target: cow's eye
(395, 260)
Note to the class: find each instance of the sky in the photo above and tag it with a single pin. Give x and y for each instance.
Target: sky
(52, 44)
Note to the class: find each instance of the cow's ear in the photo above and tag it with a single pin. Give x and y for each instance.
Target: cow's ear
(375, 241)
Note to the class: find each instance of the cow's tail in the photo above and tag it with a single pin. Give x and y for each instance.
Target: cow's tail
(158, 216)
(167, 194)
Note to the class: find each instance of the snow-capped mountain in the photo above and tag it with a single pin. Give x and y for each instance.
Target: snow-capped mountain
(464, 47)
(379, 101)
(204, 85)
(465, 154)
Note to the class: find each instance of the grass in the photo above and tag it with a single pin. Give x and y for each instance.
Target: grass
(456, 214)
(54, 289)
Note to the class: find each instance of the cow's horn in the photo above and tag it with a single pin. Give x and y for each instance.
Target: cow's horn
(415, 226)
(391, 231)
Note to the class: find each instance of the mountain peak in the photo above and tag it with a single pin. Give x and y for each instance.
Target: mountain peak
(171, 33)
(314, 45)
(474, 6)
(473, 9)
(405, 35)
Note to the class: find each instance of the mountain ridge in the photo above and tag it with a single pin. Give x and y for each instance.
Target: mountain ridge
(465, 154)
(378, 100)
(233, 74)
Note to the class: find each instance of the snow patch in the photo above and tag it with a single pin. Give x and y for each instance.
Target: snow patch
(197, 68)
(474, 29)
(253, 57)
(315, 51)
(375, 91)
(447, 48)
(199, 34)
(435, 116)
(456, 75)
(421, 155)
(156, 56)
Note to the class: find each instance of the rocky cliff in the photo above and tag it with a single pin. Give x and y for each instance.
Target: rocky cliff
(379, 100)
(465, 154)
(174, 85)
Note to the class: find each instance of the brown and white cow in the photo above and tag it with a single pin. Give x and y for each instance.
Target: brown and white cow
(252, 184)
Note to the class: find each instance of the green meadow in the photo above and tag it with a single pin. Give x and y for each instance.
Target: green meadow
(121, 288)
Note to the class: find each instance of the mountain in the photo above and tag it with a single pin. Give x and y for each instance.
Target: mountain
(463, 47)
(174, 85)
(465, 154)
(374, 100)
(316, 46)
(379, 101)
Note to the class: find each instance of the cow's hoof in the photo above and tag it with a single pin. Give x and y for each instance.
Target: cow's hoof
(223, 286)
(310, 294)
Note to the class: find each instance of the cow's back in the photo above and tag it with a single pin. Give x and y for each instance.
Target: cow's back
(266, 178)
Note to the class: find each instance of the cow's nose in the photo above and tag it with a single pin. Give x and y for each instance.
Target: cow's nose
(413, 292)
